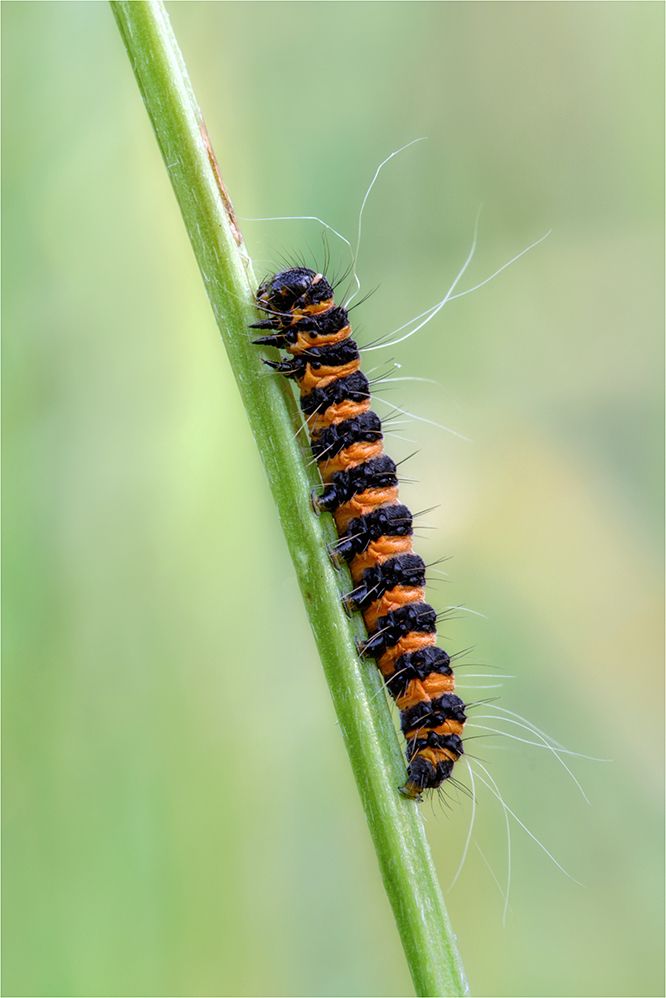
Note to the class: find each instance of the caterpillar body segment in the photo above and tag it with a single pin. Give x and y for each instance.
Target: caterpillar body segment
(374, 528)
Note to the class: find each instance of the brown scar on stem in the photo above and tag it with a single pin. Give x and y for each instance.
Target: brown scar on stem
(226, 200)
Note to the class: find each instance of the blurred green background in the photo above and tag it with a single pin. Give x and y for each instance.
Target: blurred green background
(180, 817)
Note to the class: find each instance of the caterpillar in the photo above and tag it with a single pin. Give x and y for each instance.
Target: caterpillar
(360, 489)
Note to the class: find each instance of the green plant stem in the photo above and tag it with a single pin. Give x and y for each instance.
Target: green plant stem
(395, 824)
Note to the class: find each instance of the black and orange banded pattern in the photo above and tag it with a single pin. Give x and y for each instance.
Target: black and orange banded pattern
(375, 529)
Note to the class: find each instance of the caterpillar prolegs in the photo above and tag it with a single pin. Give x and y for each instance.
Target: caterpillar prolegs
(374, 528)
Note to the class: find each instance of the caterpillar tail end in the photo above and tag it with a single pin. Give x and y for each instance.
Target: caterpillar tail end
(411, 791)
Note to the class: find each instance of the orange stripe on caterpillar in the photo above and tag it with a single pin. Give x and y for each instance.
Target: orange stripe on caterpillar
(336, 414)
(411, 642)
(305, 341)
(414, 694)
(321, 377)
(394, 598)
(449, 727)
(435, 755)
(379, 551)
(308, 310)
(362, 504)
(435, 684)
(351, 457)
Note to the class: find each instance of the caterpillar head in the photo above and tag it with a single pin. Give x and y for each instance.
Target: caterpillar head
(300, 306)
(297, 290)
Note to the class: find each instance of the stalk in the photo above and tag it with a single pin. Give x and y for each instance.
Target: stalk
(395, 823)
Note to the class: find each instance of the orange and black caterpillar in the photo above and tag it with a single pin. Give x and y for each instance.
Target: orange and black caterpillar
(375, 530)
